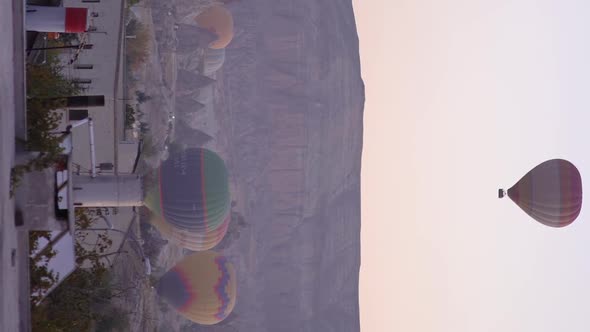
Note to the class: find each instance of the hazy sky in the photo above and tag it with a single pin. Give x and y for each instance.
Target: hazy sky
(463, 97)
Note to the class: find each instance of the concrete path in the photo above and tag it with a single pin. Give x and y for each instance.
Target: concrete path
(13, 290)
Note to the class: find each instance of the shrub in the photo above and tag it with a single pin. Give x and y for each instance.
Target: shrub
(137, 49)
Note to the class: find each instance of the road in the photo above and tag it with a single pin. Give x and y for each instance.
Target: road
(11, 124)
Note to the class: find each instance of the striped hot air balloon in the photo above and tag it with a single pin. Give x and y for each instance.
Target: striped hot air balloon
(191, 199)
(214, 59)
(219, 21)
(201, 287)
(550, 193)
(193, 240)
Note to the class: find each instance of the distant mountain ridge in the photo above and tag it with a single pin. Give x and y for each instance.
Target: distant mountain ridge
(292, 84)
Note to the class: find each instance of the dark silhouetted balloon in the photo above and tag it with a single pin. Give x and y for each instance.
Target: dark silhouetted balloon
(550, 193)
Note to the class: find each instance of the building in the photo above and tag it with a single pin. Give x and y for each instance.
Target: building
(100, 70)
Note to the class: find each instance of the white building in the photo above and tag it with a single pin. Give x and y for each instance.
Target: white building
(101, 71)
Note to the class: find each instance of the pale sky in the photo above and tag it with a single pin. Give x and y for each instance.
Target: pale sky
(464, 97)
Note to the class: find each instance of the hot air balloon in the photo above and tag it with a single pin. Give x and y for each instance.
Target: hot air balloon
(550, 193)
(191, 195)
(202, 287)
(214, 59)
(193, 240)
(219, 21)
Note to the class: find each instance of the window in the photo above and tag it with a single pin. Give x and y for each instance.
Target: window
(82, 81)
(76, 114)
(83, 66)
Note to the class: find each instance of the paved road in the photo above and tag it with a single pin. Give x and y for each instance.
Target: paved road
(11, 103)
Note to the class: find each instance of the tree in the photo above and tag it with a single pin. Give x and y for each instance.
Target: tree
(46, 84)
(41, 278)
(142, 97)
(144, 128)
(79, 301)
(48, 81)
(131, 115)
(85, 297)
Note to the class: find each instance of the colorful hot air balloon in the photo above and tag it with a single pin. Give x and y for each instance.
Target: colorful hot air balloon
(220, 21)
(214, 59)
(191, 196)
(192, 240)
(550, 193)
(202, 287)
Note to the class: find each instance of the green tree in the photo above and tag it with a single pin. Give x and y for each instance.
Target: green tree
(130, 116)
(46, 85)
(142, 97)
(41, 278)
(48, 81)
(85, 297)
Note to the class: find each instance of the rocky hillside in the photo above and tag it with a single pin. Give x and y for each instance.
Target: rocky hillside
(285, 112)
(292, 103)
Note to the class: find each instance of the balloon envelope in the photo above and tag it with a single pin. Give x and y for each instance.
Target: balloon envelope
(192, 240)
(214, 59)
(218, 20)
(192, 191)
(550, 193)
(202, 287)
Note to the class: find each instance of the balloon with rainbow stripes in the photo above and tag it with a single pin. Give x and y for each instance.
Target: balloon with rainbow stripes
(191, 199)
(201, 287)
